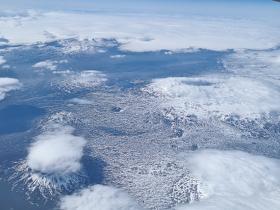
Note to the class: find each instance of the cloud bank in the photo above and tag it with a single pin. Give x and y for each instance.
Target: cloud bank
(234, 180)
(56, 152)
(99, 197)
(143, 32)
(216, 95)
(230, 180)
(8, 84)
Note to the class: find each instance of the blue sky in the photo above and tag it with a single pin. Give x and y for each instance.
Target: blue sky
(264, 9)
(127, 4)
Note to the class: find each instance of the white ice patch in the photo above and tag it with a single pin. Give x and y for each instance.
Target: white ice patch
(57, 151)
(84, 79)
(48, 64)
(234, 180)
(99, 197)
(143, 32)
(8, 84)
(216, 95)
(2, 60)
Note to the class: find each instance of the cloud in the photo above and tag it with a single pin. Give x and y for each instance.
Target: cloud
(171, 33)
(227, 180)
(6, 66)
(216, 95)
(53, 163)
(250, 87)
(80, 101)
(2, 60)
(257, 64)
(117, 56)
(234, 180)
(8, 84)
(99, 197)
(48, 64)
(56, 152)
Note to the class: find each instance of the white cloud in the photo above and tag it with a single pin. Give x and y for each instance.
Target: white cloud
(57, 151)
(217, 95)
(230, 180)
(53, 164)
(8, 84)
(117, 56)
(2, 60)
(256, 64)
(234, 180)
(99, 197)
(48, 64)
(6, 66)
(143, 32)
(80, 101)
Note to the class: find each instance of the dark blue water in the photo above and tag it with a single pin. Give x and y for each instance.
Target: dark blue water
(18, 118)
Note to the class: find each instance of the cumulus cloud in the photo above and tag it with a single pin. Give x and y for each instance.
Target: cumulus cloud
(57, 151)
(217, 95)
(99, 197)
(8, 84)
(53, 164)
(2, 60)
(234, 180)
(144, 32)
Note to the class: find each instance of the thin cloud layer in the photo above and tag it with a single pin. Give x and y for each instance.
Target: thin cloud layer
(8, 84)
(99, 197)
(56, 152)
(143, 32)
(257, 64)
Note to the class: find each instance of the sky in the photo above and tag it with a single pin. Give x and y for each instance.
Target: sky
(165, 6)
(251, 9)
